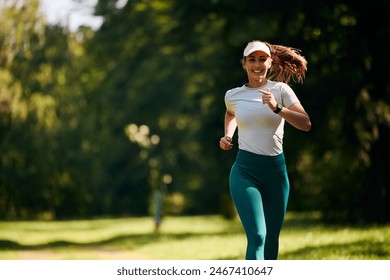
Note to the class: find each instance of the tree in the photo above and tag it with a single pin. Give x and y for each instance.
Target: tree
(38, 106)
(115, 113)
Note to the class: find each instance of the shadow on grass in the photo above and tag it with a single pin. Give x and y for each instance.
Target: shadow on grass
(362, 249)
(343, 251)
(129, 242)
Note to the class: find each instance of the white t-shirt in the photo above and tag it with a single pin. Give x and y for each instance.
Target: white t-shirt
(260, 130)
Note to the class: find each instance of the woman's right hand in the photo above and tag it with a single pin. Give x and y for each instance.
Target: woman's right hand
(226, 143)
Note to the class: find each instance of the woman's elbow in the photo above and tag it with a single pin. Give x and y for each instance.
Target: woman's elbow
(307, 126)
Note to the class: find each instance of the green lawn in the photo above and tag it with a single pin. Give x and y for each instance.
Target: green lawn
(183, 238)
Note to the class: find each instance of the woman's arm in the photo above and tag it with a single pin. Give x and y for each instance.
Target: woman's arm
(296, 116)
(230, 124)
(230, 127)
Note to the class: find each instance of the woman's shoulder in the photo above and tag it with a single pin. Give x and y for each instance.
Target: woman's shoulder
(235, 90)
(280, 85)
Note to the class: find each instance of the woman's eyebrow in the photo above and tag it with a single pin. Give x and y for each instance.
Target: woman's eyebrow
(260, 56)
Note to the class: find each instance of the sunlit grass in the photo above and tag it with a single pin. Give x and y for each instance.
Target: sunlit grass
(182, 238)
(318, 241)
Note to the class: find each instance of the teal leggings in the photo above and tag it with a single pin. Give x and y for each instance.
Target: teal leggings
(259, 187)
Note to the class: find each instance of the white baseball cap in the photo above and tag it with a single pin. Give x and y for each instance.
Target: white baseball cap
(256, 46)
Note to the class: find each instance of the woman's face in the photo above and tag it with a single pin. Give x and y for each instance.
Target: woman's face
(256, 65)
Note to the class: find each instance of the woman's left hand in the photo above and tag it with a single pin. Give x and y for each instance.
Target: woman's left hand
(269, 99)
(294, 114)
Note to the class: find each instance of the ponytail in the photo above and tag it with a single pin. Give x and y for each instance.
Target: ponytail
(287, 64)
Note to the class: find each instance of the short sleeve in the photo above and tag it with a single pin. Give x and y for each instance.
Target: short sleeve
(229, 108)
(288, 95)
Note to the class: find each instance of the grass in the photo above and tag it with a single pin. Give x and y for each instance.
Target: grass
(303, 237)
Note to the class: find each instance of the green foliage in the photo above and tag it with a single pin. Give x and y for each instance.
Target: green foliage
(93, 122)
(28, 118)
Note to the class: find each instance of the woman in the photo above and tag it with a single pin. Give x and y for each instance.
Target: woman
(259, 183)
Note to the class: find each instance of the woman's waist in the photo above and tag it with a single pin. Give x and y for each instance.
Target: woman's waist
(250, 159)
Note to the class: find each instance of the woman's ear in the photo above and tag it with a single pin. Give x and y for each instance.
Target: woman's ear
(243, 63)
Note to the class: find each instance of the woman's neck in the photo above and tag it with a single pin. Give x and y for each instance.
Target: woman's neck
(256, 84)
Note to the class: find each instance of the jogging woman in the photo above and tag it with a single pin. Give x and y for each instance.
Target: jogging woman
(259, 183)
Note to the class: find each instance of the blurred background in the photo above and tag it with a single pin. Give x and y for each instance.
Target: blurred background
(96, 119)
